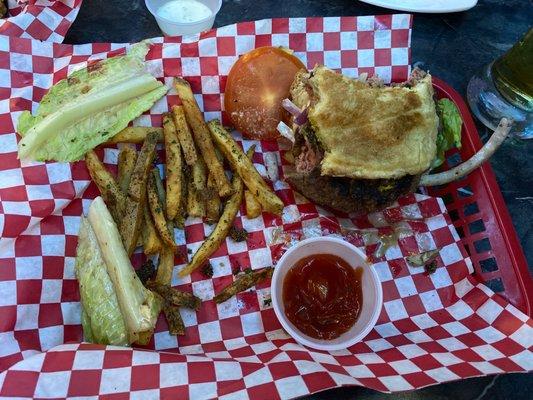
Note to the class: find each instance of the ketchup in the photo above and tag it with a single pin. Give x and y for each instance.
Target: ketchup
(323, 296)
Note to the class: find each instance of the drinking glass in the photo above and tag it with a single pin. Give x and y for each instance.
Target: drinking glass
(504, 88)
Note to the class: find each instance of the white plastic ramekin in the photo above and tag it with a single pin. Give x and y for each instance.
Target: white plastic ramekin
(372, 291)
(173, 28)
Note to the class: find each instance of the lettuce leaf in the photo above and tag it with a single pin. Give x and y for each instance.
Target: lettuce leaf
(101, 318)
(76, 140)
(116, 308)
(449, 134)
(138, 306)
(89, 107)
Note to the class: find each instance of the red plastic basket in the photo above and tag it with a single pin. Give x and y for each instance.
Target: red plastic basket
(478, 211)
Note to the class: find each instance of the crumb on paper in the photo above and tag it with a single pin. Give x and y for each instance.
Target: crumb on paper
(238, 234)
(207, 270)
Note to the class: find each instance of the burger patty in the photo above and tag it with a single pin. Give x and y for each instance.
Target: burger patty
(351, 195)
(337, 193)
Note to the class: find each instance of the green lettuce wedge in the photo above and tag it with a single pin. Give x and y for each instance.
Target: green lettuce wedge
(101, 318)
(89, 107)
(116, 308)
(449, 134)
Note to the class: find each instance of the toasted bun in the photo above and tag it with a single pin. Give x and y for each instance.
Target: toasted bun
(369, 132)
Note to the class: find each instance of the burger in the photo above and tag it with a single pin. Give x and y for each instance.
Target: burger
(359, 145)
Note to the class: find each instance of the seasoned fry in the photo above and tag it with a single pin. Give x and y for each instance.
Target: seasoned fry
(195, 202)
(135, 134)
(253, 207)
(244, 167)
(184, 135)
(146, 271)
(213, 203)
(137, 188)
(245, 281)
(160, 188)
(179, 221)
(199, 177)
(156, 208)
(174, 320)
(131, 222)
(202, 137)
(151, 241)
(238, 234)
(127, 157)
(174, 296)
(111, 193)
(165, 266)
(173, 167)
(250, 152)
(130, 225)
(212, 243)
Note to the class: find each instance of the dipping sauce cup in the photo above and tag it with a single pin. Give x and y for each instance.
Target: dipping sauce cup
(184, 17)
(371, 290)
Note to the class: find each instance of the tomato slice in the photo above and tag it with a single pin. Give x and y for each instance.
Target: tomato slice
(256, 85)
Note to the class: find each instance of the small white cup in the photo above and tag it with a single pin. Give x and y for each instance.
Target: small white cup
(372, 291)
(173, 28)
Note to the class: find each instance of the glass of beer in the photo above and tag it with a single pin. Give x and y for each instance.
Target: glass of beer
(504, 88)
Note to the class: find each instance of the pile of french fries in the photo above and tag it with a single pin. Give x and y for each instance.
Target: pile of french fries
(147, 210)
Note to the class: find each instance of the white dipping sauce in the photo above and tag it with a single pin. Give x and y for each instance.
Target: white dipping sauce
(184, 11)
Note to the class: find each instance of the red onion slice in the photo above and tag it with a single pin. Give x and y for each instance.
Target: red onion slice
(300, 116)
(292, 108)
(286, 131)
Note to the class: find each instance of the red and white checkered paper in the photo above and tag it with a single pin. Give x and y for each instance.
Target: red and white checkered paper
(47, 20)
(432, 328)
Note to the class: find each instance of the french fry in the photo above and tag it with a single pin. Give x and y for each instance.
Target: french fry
(253, 207)
(146, 271)
(111, 193)
(156, 209)
(244, 167)
(184, 135)
(173, 167)
(165, 266)
(245, 281)
(199, 177)
(182, 211)
(213, 203)
(130, 223)
(179, 222)
(202, 137)
(127, 156)
(151, 242)
(174, 296)
(139, 177)
(148, 237)
(174, 320)
(212, 243)
(195, 203)
(135, 134)
(162, 198)
(160, 188)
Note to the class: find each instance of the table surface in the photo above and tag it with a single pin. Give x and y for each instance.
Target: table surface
(452, 46)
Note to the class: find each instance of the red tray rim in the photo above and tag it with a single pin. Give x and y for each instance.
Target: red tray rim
(499, 208)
